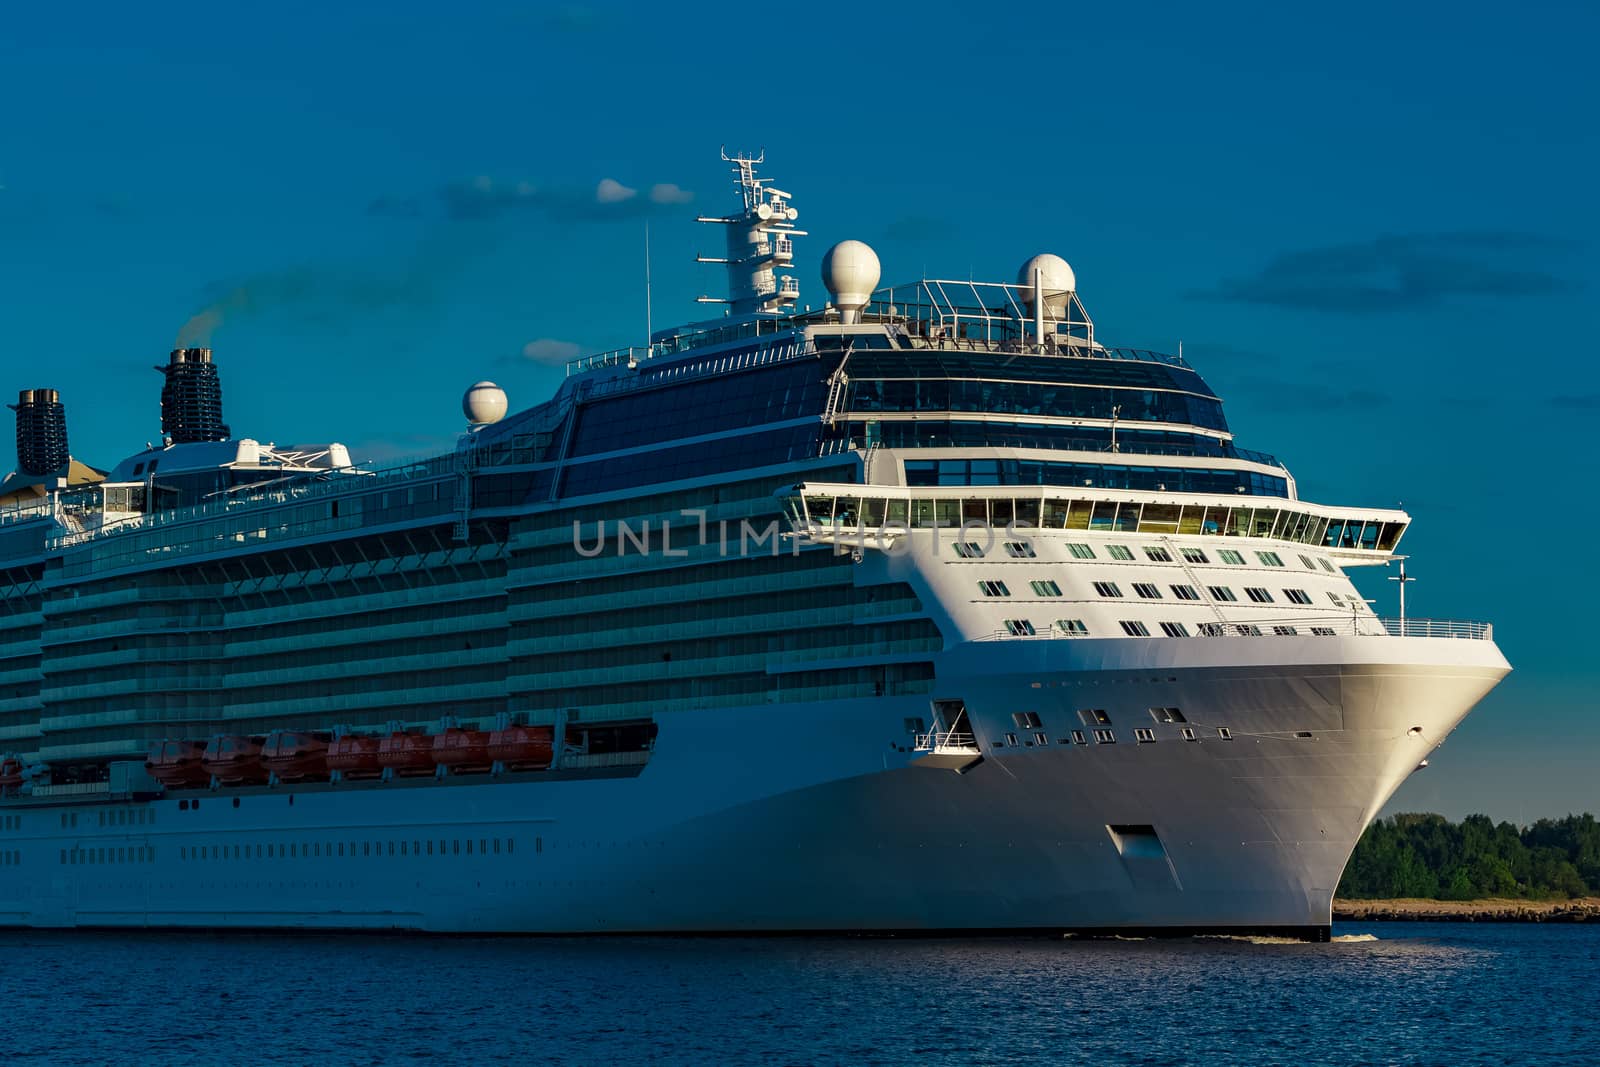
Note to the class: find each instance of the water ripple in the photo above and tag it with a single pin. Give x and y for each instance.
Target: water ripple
(1458, 994)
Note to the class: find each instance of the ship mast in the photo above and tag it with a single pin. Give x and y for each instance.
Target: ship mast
(760, 243)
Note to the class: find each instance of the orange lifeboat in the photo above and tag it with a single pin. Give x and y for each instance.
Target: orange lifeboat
(523, 748)
(10, 772)
(408, 755)
(235, 760)
(355, 757)
(295, 755)
(177, 764)
(463, 751)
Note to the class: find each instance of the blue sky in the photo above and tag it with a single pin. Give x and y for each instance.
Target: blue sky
(1372, 226)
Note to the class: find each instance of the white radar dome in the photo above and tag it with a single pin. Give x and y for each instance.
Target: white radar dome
(850, 272)
(484, 403)
(1055, 278)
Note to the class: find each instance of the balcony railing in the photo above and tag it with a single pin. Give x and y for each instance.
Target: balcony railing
(1301, 626)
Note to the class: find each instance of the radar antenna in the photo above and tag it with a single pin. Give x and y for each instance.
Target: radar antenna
(760, 243)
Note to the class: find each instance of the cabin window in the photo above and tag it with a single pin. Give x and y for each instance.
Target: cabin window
(1119, 551)
(1027, 720)
(1075, 627)
(1144, 735)
(1019, 628)
(1020, 550)
(1189, 734)
(1298, 596)
(1147, 591)
(1194, 555)
(1257, 594)
(1167, 715)
(1271, 559)
(1157, 554)
(1285, 631)
(1080, 551)
(1174, 629)
(1078, 738)
(1221, 592)
(1185, 592)
(1225, 733)
(1094, 717)
(1108, 589)
(1228, 555)
(968, 550)
(994, 589)
(1135, 628)
(1045, 588)
(1323, 631)
(1104, 737)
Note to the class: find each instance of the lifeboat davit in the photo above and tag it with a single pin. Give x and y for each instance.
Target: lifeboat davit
(523, 748)
(408, 755)
(235, 760)
(177, 763)
(463, 751)
(355, 757)
(295, 755)
(10, 772)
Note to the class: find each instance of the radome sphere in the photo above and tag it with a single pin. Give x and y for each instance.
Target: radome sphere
(850, 271)
(484, 403)
(1056, 278)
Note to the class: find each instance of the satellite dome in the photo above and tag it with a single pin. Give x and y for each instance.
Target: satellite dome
(850, 272)
(1056, 278)
(484, 403)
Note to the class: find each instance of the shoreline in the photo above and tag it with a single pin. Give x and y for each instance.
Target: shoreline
(1581, 909)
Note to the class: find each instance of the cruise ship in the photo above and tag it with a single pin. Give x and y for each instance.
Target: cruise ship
(925, 610)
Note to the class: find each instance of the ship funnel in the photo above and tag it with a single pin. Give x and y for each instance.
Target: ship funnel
(850, 272)
(191, 399)
(41, 432)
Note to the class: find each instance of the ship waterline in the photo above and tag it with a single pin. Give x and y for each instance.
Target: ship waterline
(925, 612)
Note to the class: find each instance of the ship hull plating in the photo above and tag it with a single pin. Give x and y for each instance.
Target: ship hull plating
(827, 824)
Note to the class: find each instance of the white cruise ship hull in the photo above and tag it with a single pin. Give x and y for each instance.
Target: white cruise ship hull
(823, 820)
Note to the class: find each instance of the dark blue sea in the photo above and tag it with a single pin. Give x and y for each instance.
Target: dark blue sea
(1386, 993)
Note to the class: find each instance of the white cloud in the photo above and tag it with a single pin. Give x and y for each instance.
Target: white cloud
(667, 193)
(611, 191)
(549, 350)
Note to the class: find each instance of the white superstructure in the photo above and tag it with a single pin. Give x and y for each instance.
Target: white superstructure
(926, 611)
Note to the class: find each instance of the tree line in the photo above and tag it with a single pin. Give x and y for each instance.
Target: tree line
(1430, 857)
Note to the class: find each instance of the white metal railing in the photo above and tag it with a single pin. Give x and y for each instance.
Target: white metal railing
(937, 739)
(1462, 628)
(1299, 626)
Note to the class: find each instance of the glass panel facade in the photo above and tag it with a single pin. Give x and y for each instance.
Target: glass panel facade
(706, 405)
(1034, 398)
(1096, 475)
